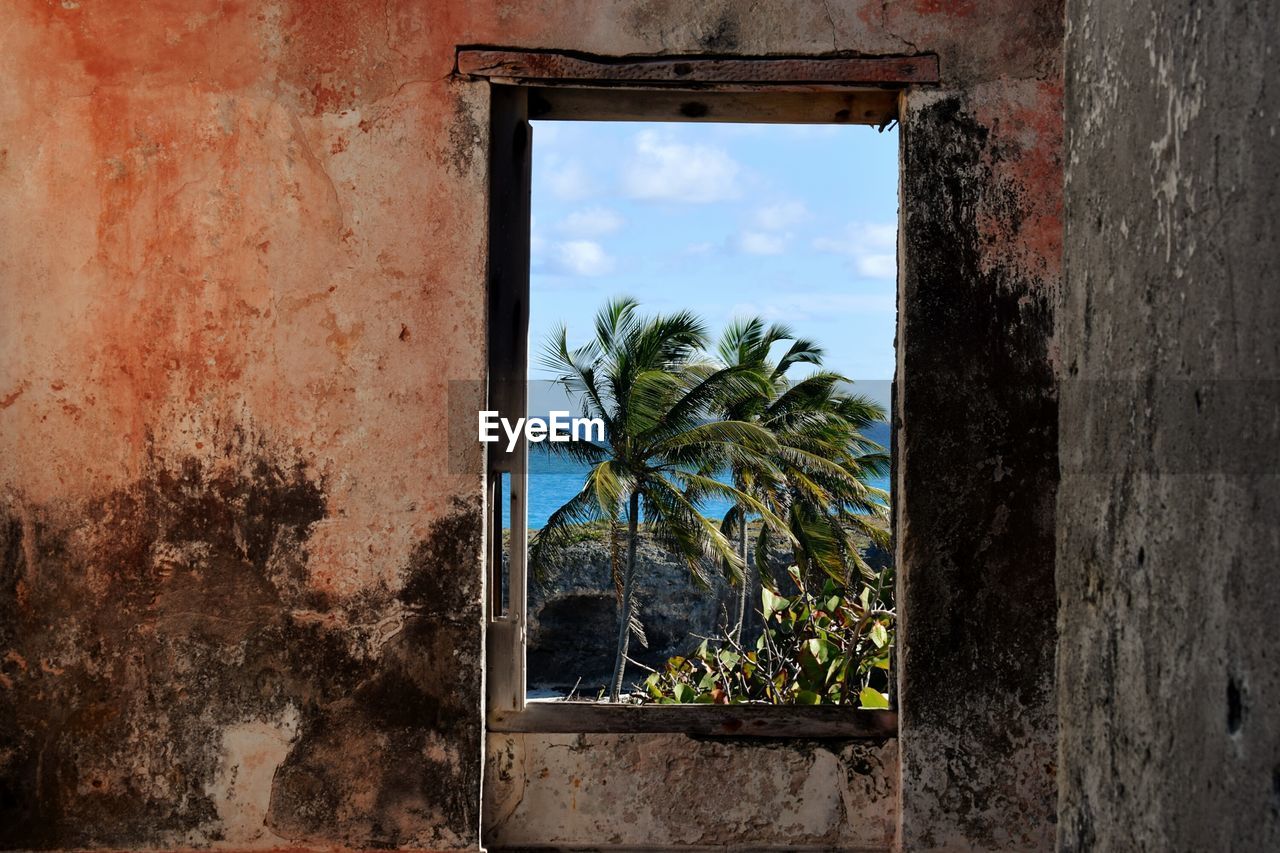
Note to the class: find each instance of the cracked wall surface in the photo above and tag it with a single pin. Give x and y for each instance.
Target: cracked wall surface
(1168, 537)
(977, 466)
(243, 264)
(671, 791)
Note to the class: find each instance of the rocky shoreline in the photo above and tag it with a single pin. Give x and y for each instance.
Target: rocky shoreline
(572, 626)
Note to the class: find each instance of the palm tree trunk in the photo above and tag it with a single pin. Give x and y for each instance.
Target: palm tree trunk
(744, 593)
(628, 599)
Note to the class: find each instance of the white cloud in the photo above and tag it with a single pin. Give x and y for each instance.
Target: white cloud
(567, 180)
(665, 170)
(770, 236)
(580, 257)
(761, 243)
(872, 246)
(776, 217)
(547, 133)
(860, 238)
(537, 242)
(591, 222)
(801, 307)
(882, 235)
(703, 248)
(877, 266)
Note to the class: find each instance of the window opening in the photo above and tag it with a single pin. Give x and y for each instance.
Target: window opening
(764, 255)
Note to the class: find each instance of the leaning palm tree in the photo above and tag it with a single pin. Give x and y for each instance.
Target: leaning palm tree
(827, 462)
(749, 343)
(646, 380)
(823, 457)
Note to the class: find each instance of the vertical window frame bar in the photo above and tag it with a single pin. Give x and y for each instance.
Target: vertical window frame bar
(510, 146)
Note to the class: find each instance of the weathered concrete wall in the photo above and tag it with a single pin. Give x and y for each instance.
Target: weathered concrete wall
(981, 205)
(676, 792)
(977, 466)
(242, 259)
(1169, 509)
(977, 463)
(239, 599)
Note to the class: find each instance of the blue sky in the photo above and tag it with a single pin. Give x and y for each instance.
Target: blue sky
(795, 223)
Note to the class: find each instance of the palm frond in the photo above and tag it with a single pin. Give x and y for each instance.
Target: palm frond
(547, 545)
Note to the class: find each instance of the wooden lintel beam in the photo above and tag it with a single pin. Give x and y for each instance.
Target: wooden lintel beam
(552, 69)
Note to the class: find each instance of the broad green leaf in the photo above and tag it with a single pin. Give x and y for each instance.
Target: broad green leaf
(879, 635)
(684, 693)
(808, 697)
(872, 698)
(811, 671)
(838, 670)
(821, 649)
(771, 603)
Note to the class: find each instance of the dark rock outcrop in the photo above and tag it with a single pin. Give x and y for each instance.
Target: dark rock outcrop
(573, 616)
(573, 613)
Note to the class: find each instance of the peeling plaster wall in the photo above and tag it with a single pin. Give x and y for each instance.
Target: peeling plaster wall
(1169, 513)
(671, 791)
(243, 263)
(239, 596)
(981, 204)
(977, 466)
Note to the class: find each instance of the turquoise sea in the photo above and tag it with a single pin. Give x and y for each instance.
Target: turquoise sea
(554, 479)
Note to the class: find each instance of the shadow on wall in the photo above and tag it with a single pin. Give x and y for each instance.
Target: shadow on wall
(187, 640)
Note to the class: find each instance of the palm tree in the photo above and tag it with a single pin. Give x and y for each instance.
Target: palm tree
(827, 462)
(748, 343)
(822, 456)
(645, 378)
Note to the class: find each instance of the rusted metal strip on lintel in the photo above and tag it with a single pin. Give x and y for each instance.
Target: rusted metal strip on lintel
(777, 74)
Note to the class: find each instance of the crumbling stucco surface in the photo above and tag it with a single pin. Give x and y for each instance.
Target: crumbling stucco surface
(242, 264)
(977, 459)
(672, 791)
(1169, 512)
(977, 467)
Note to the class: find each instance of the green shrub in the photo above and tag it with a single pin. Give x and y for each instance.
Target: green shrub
(828, 648)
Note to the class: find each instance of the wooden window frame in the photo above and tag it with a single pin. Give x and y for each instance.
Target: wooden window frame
(526, 85)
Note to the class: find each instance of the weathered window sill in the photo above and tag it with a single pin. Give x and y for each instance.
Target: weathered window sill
(766, 721)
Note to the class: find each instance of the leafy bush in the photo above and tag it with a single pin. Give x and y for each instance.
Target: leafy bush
(829, 648)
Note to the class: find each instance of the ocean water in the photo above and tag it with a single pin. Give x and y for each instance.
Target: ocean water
(554, 479)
